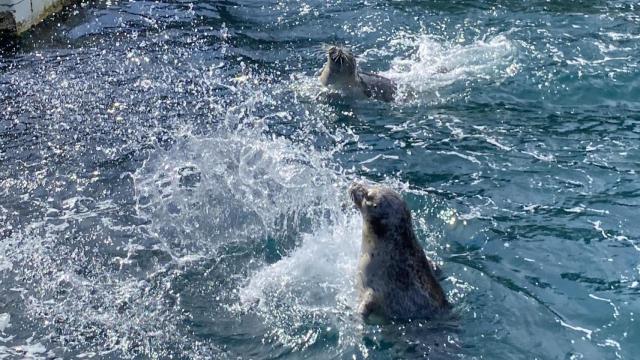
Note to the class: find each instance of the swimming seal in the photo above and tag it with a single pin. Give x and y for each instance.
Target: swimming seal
(341, 72)
(395, 278)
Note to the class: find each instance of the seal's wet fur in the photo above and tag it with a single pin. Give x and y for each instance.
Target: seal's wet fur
(341, 72)
(396, 280)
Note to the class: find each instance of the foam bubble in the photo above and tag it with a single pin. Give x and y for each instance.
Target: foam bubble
(5, 321)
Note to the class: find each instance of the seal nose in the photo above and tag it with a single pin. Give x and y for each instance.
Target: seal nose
(357, 191)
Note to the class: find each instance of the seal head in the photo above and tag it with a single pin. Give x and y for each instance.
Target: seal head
(340, 68)
(395, 278)
(340, 71)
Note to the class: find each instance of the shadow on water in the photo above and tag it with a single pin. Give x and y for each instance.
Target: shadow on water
(8, 44)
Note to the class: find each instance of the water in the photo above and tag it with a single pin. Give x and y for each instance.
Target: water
(170, 186)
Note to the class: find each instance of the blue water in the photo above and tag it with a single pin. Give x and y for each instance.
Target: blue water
(172, 184)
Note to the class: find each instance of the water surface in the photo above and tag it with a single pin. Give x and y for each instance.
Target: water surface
(172, 186)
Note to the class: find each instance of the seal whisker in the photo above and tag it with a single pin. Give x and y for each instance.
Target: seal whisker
(322, 49)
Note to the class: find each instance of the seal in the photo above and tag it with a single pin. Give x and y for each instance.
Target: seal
(341, 72)
(395, 277)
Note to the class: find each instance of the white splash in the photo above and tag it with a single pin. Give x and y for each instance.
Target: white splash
(314, 284)
(587, 332)
(5, 321)
(435, 64)
(234, 187)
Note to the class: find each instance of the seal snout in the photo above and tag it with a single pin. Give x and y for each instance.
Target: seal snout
(341, 59)
(358, 191)
(336, 54)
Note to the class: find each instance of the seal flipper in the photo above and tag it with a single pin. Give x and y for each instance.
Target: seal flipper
(367, 304)
(370, 308)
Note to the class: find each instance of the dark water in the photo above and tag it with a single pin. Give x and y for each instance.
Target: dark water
(170, 186)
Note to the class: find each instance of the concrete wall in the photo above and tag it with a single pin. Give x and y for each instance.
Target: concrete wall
(17, 16)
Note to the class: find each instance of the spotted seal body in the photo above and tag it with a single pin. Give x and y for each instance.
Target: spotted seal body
(395, 278)
(341, 72)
